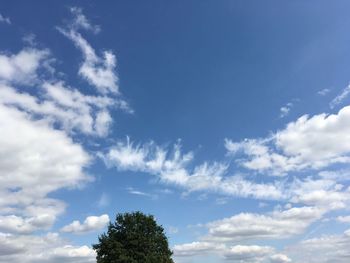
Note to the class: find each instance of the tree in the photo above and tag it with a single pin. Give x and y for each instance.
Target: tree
(133, 238)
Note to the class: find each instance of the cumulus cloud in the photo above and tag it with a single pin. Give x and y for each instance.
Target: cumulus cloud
(236, 253)
(19, 225)
(343, 219)
(196, 248)
(277, 224)
(38, 155)
(172, 166)
(44, 249)
(22, 67)
(247, 253)
(91, 223)
(64, 106)
(36, 160)
(280, 258)
(225, 237)
(251, 227)
(327, 248)
(308, 143)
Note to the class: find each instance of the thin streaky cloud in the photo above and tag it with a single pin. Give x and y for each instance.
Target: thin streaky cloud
(340, 98)
(323, 92)
(5, 20)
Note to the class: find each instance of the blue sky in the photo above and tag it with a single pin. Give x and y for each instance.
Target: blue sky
(226, 120)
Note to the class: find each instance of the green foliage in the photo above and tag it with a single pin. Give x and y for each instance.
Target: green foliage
(133, 238)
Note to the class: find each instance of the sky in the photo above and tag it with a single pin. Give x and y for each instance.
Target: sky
(229, 121)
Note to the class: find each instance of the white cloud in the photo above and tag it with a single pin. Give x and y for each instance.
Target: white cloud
(308, 143)
(339, 175)
(36, 160)
(284, 111)
(343, 219)
(225, 236)
(275, 225)
(340, 98)
(280, 258)
(323, 92)
(247, 253)
(46, 249)
(39, 117)
(22, 67)
(4, 19)
(97, 71)
(103, 201)
(80, 21)
(237, 253)
(91, 223)
(133, 191)
(327, 248)
(324, 193)
(172, 230)
(65, 106)
(172, 167)
(19, 225)
(196, 248)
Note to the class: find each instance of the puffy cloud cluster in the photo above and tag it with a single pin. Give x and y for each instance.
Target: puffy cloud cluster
(66, 107)
(327, 248)
(236, 253)
(19, 225)
(45, 249)
(22, 67)
(276, 225)
(36, 160)
(225, 236)
(308, 143)
(38, 151)
(197, 248)
(91, 223)
(252, 253)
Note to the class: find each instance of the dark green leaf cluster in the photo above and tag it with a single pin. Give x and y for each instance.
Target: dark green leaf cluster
(133, 238)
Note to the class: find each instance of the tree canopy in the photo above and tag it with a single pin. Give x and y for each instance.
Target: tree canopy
(133, 238)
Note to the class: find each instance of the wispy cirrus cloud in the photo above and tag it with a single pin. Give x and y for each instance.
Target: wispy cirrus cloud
(5, 20)
(172, 166)
(340, 98)
(323, 92)
(97, 71)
